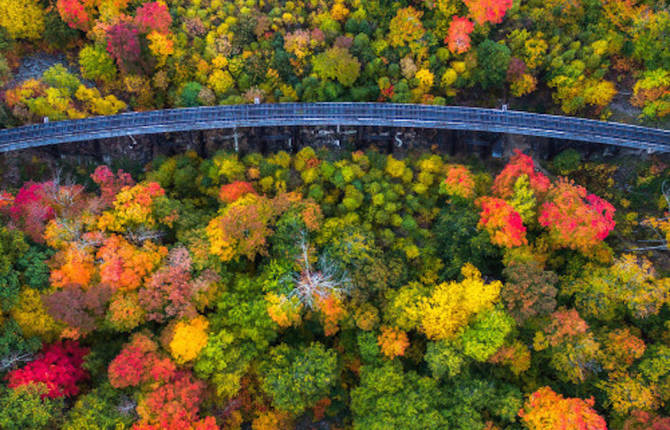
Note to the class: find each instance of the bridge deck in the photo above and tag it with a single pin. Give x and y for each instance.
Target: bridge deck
(344, 114)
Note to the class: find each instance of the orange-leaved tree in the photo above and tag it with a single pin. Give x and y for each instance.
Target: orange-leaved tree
(502, 222)
(576, 219)
(483, 11)
(548, 410)
(458, 35)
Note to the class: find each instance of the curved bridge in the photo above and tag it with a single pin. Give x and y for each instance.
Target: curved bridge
(344, 114)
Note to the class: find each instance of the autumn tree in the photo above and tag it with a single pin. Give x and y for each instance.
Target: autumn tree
(459, 181)
(81, 309)
(30, 210)
(630, 286)
(23, 19)
(123, 44)
(516, 356)
(77, 14)
(285, 311)
(576, 219)
(492, 11)
(110, 183)
(529, 290)
(58, 368)
(393, 342)
(244, 226)
(626, 392)
(123, 266)
(451, 305)
(573, 350)
(640, 420)
(337, 63)
(175, 405)
(73, 265)
(32, 317)
(233, 191)
(96, 64)
(547, 410)
(502, 222)
(458, 36)
(171, 291)
(153, 16)
(172, 397)
(520, 164)
(187, 339)
(406, 27)
(134, 364)
(139, 211)
(652, 94)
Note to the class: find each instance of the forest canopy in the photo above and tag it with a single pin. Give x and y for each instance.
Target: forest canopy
(355, 289)
(555, 56)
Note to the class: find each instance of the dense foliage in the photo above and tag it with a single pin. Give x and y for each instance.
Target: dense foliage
(365, 290)
(143, 54)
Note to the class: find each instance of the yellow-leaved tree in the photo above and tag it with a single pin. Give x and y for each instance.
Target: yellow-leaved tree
(33, 318)
(23, 19)
(451, 304)
(188, 339)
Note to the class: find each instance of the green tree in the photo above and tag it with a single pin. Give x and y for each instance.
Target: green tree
(24, 408)
(337, 63)
(486, 334)
(15, 347)
(492, 62)
(12, 247)
(459, 241)
(649, 40)
(188, 96)
(104, 408)
(96, 64)
(388, 398)
(296, 378)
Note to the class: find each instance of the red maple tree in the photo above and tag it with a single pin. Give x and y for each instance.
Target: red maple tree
(520, 164)
(502, 222)
(576, 219)
(153, 16)
(58, 367)
(483, 11)
(458, 36)
(233, 191)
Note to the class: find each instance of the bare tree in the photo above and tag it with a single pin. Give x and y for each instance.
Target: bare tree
(327, 281)
(13, 359)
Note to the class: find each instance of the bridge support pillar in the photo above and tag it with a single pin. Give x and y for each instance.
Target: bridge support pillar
(202, 144)
(295, 138)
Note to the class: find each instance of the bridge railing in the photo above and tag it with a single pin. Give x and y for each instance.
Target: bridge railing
(359, 114)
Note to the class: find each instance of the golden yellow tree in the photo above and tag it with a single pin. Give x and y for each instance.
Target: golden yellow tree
(406, 27)
(188, 339)
(452, 304)
(23, 19)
